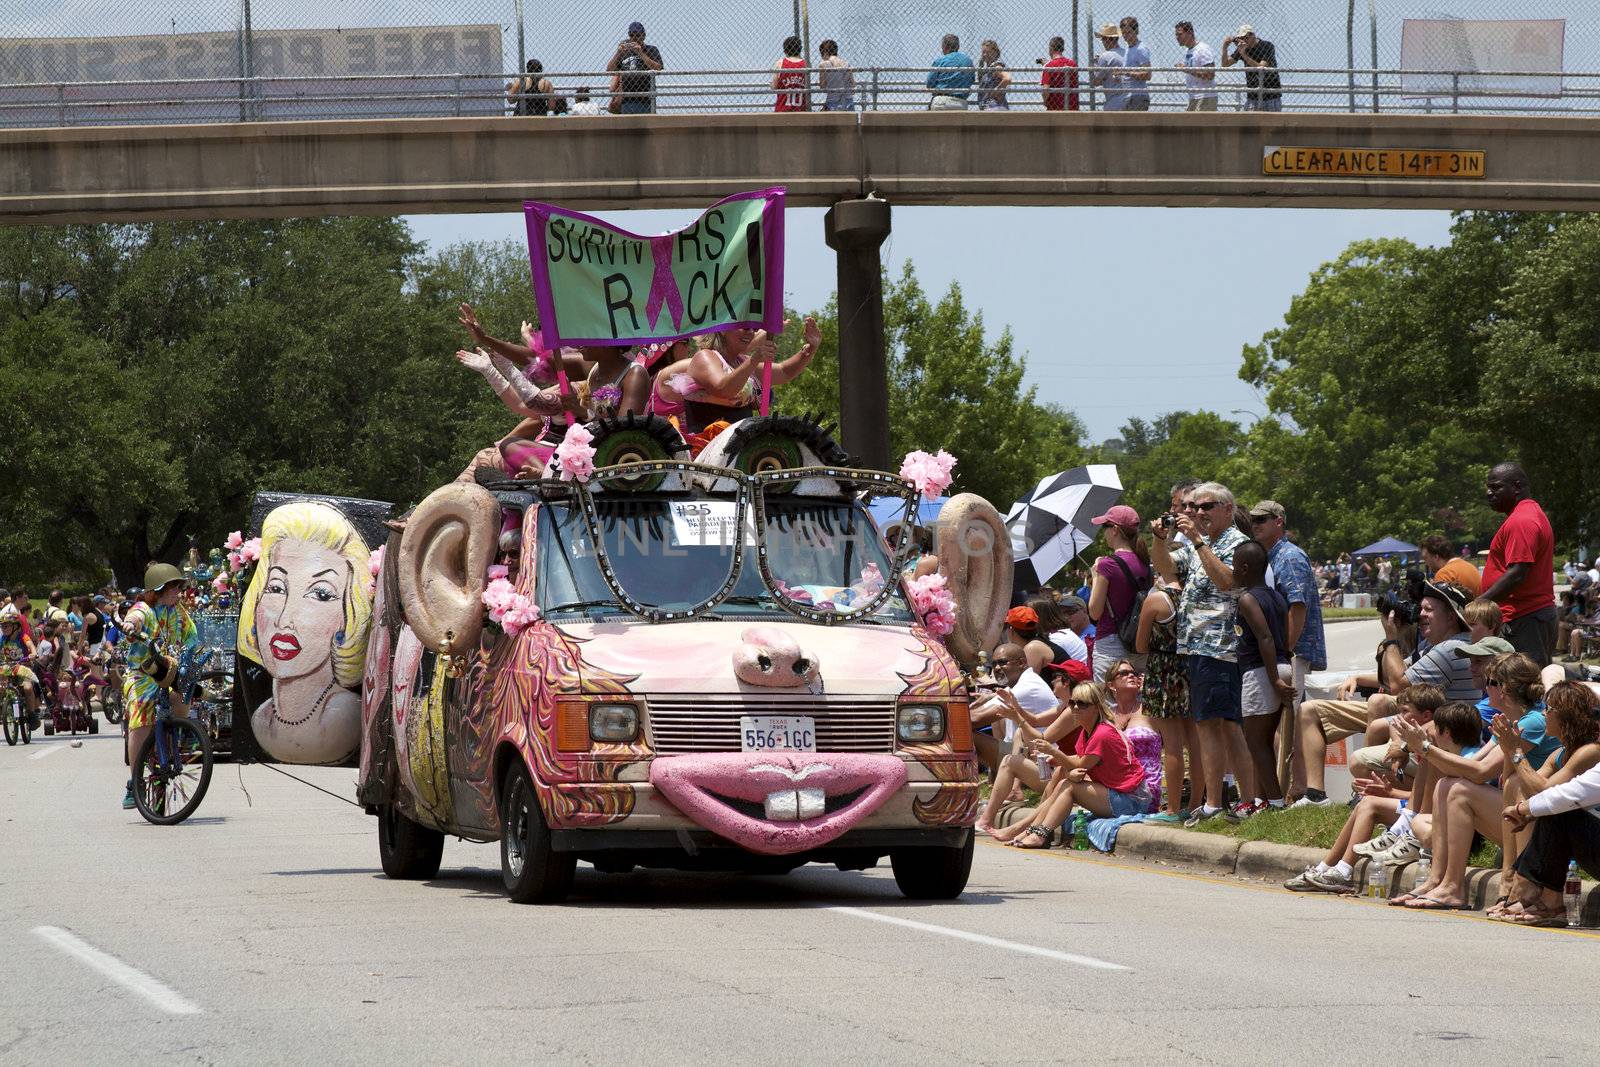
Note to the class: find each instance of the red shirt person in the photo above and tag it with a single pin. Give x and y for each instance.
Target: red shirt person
(1520, 572)
(1056, 77)
(790, 79)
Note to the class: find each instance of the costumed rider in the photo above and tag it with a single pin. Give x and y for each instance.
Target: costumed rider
(16, 650)
(158, 630)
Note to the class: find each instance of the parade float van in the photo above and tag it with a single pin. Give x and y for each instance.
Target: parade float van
(708, 664)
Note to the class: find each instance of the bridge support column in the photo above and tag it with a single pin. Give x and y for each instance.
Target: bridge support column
(855, 229)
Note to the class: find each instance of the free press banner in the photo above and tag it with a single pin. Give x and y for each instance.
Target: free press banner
(598, 284)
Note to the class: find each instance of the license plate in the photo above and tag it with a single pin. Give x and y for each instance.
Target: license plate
(791, 733)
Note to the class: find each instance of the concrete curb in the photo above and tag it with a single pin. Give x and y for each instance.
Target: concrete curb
(1267, 861)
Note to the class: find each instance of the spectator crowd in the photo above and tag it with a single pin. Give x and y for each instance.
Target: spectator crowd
(1119, 79)
(1175, 691)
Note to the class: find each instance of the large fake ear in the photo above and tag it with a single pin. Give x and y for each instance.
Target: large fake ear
(974, 553)
(445, 552)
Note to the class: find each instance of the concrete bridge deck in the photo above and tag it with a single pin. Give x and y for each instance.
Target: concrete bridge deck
(416, 166)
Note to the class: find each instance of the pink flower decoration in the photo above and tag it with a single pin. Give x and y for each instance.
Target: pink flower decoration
(498, 571)
(220, 583)
(933, 602)
(575, 455)
(375, 561)
(235, 562)
(508, 609)
(931, 475)
(234, 540)
(250, 551)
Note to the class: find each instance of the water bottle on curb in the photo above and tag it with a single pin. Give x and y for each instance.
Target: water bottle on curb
(1080, 830)
(1573, 895)
(1377, 879)
(1424, 869)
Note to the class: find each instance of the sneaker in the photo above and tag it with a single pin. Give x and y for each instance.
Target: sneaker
(1308, 801)
(127, 799)
(1331, 881)
(1201, 814)
(1239, 812)
(1301, 883)
(1164, 818)
(1382, 843)
(1406, 849)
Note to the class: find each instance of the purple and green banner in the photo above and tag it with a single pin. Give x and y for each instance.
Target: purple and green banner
(597, 284)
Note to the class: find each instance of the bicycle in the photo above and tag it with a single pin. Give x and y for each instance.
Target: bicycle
(172, 769)
(17, 727)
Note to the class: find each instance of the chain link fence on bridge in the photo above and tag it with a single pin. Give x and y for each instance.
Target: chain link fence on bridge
(83, 61)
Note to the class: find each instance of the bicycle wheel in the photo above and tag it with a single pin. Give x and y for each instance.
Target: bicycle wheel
(111, 703)
(13, 720)
(172, 772)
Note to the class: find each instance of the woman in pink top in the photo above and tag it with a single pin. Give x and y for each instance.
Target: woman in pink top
(1102, 773)
(1119, 576)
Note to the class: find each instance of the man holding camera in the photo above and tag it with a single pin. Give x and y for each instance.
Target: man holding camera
(1442, 620)
(1260, 60)
(634, 87)
(1208, 639)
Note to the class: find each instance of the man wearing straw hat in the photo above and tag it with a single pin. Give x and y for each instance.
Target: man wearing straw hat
(1108, 66)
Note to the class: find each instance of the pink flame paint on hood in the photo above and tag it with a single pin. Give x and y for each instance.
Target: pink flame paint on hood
(697, 657)
(698, 784)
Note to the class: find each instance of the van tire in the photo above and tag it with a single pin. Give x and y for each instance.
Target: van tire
(533, 872)
(407, 849)
(936, 873)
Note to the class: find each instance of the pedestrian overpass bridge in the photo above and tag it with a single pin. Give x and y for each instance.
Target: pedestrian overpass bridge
(83, 174)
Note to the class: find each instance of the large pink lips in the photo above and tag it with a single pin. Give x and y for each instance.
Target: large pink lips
(725, 793)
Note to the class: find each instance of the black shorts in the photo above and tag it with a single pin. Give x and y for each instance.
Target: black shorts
(1534, 635)
(1214, 689)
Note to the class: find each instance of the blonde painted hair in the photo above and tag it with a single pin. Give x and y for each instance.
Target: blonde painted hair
(324, 527)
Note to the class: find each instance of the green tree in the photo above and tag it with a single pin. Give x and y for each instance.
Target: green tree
(1179, 444)
(950, 388)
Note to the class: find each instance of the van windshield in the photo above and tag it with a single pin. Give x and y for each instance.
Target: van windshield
(672, 553)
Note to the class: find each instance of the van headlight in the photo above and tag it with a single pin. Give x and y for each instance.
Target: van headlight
(613, 722)
(921, 723)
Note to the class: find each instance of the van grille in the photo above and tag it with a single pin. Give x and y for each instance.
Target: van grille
(711, 724)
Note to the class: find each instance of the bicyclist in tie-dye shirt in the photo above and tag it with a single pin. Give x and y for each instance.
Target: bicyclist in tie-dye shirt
(156, 625)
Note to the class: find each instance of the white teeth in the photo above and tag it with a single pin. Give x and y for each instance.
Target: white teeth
(794, 805)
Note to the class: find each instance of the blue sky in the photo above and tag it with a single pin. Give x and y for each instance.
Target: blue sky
(1119, 311)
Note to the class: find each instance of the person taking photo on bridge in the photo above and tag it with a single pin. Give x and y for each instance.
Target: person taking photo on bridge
(1056, 77)
(635, 64)
(1260, 59)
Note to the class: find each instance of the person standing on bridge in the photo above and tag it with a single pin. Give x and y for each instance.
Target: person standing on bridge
(951, 77)
(635, 64)
(835, 79)
(1136, 61)
(1200, 69)
(1108, 66)
(1054, 77)
(790, 79)
(1260, 59)
(993, 79)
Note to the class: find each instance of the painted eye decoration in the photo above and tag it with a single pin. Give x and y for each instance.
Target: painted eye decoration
(802, 667)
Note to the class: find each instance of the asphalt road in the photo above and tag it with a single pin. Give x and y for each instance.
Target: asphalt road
(261, 931)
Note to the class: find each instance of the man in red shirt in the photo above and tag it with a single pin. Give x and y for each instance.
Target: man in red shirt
(1520, 572)
(789, 78)
(1055, 77)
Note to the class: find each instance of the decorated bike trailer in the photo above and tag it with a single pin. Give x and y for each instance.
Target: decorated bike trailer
(708, 664)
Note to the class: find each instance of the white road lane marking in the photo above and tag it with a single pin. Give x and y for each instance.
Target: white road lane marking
(129, 978)
(47, 750)
(982, 939)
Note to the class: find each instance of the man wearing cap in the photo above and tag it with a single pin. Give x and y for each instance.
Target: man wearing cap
(1519, 574)
(1108, 67)
(158, 629)
(636, 89)
(1442, 621)
(1291, 574)
(1260, 60)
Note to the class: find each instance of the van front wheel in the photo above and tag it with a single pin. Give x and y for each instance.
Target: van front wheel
(405, 848)
(533, 872)
(936, 873)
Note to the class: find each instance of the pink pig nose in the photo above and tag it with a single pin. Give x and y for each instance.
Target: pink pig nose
(772, 659)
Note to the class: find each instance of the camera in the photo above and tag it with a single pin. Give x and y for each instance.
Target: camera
(1405, 610)
(1168, 522)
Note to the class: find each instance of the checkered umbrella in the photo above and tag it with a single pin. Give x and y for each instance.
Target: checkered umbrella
(1051, 525)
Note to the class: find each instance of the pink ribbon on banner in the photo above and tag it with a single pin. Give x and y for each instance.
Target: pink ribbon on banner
(766, 388)
(663, 286)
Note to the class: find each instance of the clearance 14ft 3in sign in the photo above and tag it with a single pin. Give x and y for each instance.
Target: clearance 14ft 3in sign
(1371, 162)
